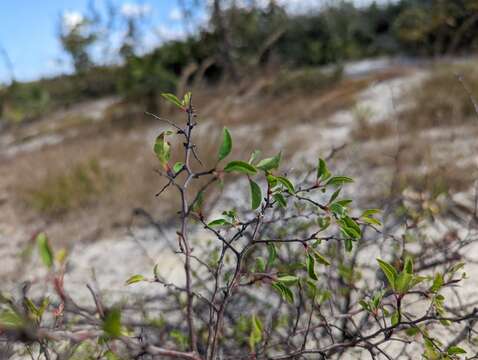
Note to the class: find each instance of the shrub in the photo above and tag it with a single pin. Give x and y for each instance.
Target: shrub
(287, 271)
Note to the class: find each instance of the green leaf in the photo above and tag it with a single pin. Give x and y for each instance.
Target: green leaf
(112, 323)
(402, 283)
(389, 271)
(256, 195)
(135, 279)
(438, 282)
(255, 336)
(156, 271)
(339, 180)
(178, 167)
(370, 212)
(241, 167)
(10, 319)
(365, 305)
(218, 222)
(254, 156)
(416, 280)
(371, 220)
(284, 292)
(408, 267)
(186, 99)
(271, 249)
(260, 265)
(311, 267)
(367, 217)
(272, 181)
(269, 164)
(412, 331)
(288, 279)
(337, 209)
(44, 248)
(334, 195)
(172, 99)
(324, 222)
(349, 232)
(350, 227)
(394, 319)
(31, 307)
(280, 200)
(321, 259)
(162, 148)
(455, 350)
(348, 244)
(323, 172)
(287, 184)
(226, 145)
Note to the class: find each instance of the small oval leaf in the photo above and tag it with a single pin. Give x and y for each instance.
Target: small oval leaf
(135, 279)
(256, 195)
(241, 167)
(44, 249)
(226, 145)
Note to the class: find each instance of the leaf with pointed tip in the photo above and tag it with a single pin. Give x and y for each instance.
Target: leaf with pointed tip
(394, 319)
(271, 249)
(271, 163)
(288, 279)
(135, 279)
(255, 336)
(455, 350)
(408, 268)
(438, 282)
(321, 259)
(226, 145)
(311, 267)
(389, 271)
(178, 167)
(255, 154)
(156, 271)
(323, 172)
(403, 281)
(241, 167)
(172, 99)
(112, 323)
(218, 222)
(256, 195)
(370, 212)
(335, 195)
(286, 183)
(339, 180)
(186, 100)
(44, 248)
(260, 265)
(284, 292)
(10, 319)
(280, 200)
(162, 148)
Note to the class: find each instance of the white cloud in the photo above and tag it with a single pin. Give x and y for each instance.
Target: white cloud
(71, 19)
(175, 14)
(135, 10)
(167, 33)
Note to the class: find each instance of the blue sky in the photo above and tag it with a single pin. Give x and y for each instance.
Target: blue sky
(29, 28)
(28, 32)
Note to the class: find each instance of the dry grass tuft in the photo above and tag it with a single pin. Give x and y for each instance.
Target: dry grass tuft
(80, 186)
(441, 100)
